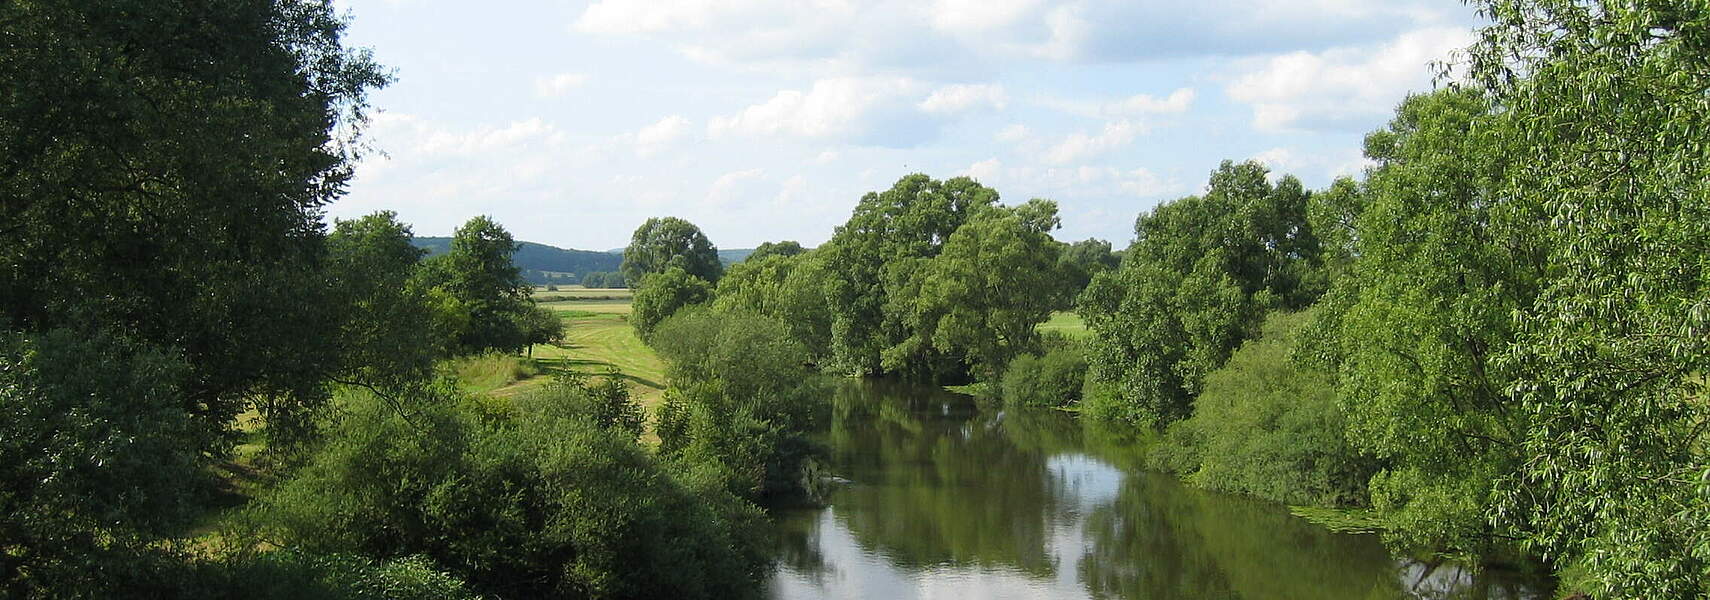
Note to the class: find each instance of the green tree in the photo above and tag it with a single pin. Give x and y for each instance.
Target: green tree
(482, 295)
(1605, 110)
(662, 295)
(1444, 262)
(741, 402)
(1081, 261)
(171, 170)
(385, 331)
(784, 248)
(1194, 285)
(665, 242)
(983, 296)
(788, 288)
(540, 325)
(873, 257)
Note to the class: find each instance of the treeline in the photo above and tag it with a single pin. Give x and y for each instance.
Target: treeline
(1495, 343)
(166, 282)
(930, 280)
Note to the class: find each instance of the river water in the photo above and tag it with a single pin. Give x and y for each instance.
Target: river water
(946, 498)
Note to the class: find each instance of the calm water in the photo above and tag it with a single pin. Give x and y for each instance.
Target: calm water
(945, 499)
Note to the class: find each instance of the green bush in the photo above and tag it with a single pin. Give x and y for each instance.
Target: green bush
(661, 295)
(536, 500)
(1054, 379)
(742, 398)
(1268, 427)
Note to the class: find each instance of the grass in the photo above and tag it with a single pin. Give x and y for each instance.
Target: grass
(1066, 323)
(490, 371)
(568, 293)
(597, 339)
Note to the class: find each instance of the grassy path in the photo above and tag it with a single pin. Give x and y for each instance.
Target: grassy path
(597, 338)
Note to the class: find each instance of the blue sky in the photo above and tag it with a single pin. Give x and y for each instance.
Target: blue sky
(762, 120)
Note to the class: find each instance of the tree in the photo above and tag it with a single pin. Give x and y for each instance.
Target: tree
(784, 248)
(662, 243)
(983, 296)
(1194, 284)
(540, 326)
(482, 294)
(788, 288)
(662, 295)
(871, 260)
(384, 330)
(171, 169)
(1604, 111)
(1083, 260)
(163, 165)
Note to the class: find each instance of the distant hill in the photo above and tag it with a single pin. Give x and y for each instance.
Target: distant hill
(543, 264)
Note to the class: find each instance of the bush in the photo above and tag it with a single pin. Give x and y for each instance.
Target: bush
(98, 458)
(1268, 427)
(1055, 379)
(537, 500)
(662, 295)
(741, 398)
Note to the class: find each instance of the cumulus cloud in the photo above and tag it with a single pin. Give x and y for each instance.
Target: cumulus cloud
(552, 86)
(652, 138)
(962, 97)
(1343, 88)
(914, 35)
(1081, 145)
(482, 139)
(871, 110)
(1347, 162)
(983, 171)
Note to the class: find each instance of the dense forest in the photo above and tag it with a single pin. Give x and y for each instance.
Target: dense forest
(1492, 346)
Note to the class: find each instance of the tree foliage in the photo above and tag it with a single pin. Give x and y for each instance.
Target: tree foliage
(536, 499)
(662, 295)
(479, 295)
(1605, 110)
(665, 242)
(1193, 286)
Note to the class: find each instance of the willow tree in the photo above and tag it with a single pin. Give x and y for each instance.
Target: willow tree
(1608, 110)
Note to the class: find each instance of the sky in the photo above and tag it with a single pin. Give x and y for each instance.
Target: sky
(572, 122)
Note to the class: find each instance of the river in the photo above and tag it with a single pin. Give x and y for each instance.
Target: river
(946, 498)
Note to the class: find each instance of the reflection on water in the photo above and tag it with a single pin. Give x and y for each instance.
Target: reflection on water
(946, 501)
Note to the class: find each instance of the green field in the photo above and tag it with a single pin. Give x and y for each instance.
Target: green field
(576, 293)
(597, 338)
(1066, 323)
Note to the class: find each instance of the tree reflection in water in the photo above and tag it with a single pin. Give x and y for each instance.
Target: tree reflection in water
(947, 499)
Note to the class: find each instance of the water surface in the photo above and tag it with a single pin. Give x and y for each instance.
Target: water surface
(945, 499)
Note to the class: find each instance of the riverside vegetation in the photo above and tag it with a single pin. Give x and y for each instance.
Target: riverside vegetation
(1492, 346)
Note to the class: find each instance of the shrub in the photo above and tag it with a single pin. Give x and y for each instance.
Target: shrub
(1054, 379)
(741, 397)
(1268, 427)
(537, 501)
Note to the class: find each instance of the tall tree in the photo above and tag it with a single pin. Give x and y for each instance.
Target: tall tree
(384, 321)
(482, 294)
(873, 256)
(981, 298)
(662, 295)
(1608, 112)
(163, 165)
(784, 248)
(665, 242)
(1195, 283)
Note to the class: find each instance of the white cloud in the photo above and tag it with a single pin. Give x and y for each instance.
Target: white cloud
(1177, 102)
(1081, 145)
(916, 36)
(552, 86)
(862, 109)
(653, 138)
(1014, 133)
(961, 97)
(483, 139)
(734, 188)
(984, 171)
(1343, 87)
(1286, 161)
(979, 15)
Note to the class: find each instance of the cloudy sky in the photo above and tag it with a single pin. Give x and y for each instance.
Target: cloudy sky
(571, 122)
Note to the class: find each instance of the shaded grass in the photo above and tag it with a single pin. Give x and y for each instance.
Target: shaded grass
(490, 371)
(578, 293)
